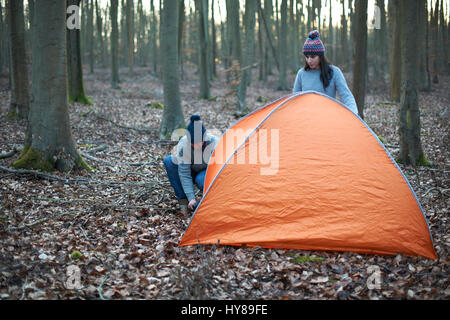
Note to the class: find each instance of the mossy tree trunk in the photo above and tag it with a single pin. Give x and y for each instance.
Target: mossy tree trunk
(74, 67)
(52, 145)
(19, 106)
(411, 151)
(173, 114)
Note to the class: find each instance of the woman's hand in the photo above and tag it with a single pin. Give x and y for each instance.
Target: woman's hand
(192, 203)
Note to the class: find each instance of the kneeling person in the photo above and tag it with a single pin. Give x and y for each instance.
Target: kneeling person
(189, 165)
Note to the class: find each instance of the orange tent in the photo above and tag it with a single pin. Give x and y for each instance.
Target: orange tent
(304, 172)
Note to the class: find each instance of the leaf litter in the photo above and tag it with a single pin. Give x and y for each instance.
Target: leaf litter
(121, 226)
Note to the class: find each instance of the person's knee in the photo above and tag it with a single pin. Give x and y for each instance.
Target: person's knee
(168, 161)
(200, 180)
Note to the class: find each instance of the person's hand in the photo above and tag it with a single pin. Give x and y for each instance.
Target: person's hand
(192, 203)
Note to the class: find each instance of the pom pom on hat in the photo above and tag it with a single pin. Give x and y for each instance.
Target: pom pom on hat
(195, 117)
(313, 35)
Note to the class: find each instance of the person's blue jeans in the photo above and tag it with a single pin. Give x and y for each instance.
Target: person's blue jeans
(174, 178)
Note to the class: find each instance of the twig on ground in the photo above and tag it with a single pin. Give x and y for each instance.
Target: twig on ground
(99, 148)
(8, 154)
(40, 174)
(141, 130)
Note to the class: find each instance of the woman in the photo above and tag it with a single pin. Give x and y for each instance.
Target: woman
(319, 75)
(188, 165)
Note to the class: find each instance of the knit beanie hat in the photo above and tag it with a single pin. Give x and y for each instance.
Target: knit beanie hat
(313, 45)
(195, 129)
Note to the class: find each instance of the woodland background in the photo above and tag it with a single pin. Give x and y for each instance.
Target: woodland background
(136, 70)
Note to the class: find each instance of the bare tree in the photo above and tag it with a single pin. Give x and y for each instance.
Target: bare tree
(411, 151)
(173, 114)
(360, 64)
(202, 11)
(19, 105)
(282, 84)
(52, 145)
(114, 45)
(75, 65)
(249, 24)
(130, 34)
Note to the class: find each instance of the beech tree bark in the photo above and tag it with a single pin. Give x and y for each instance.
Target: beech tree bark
(19, 106)
(173, 114)
(250, 21)
(52, 145)
(411, 151)
(360, 64)
(75, 65)
(114, 45)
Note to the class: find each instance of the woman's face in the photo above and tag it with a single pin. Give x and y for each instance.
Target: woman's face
(313, 61)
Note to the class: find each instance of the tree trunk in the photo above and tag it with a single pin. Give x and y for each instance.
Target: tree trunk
(282, 84)
(380, 45)
(123, 42)
(202, 9)
(444, 40)
(249, 25)
(2, 40)
(395, 61)
(52, 145)
(130, 35)
(173, 115)
(181, 18)
(266, 16)
(235, 42)
(435, 46)
(90, 34)
(427, 50)
(360, 64)
(345, 49)
(267, 19)
(154, 32)
(99, 21)
(261, 46)
(19, 106)
(330, 39)
(296, 38)
(114, 45)
(75, 65)
(421, 34)
(214, 41)
(409, 127)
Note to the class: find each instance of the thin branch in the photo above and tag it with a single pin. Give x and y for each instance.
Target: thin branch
(8, 154)
(141, 130)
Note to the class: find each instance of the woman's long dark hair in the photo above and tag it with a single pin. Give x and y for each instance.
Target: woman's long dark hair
(326, 72)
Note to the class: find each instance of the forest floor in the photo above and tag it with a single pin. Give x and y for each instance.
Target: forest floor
(125, 222)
